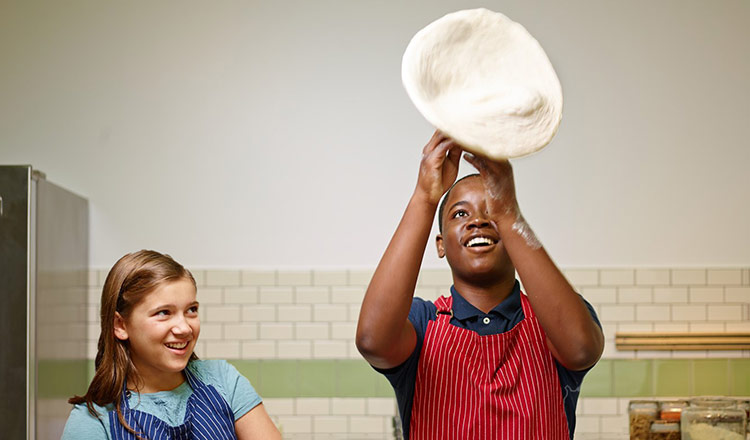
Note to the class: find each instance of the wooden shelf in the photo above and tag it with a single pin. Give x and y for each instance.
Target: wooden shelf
(682, 341)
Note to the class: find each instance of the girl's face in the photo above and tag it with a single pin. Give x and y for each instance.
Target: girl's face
(162, 331)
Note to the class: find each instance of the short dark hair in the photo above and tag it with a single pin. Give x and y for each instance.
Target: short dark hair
(445, 197)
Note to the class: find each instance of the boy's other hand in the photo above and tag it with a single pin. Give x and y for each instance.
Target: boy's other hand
(439, 167)
(497, 176)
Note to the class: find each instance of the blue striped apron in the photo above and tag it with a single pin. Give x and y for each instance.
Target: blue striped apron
(207, 416)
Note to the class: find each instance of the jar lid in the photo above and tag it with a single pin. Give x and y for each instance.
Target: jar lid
(743, 403)
(672, 409)
(713, 402)
(665, 426)
(673, 404)
(649, 405)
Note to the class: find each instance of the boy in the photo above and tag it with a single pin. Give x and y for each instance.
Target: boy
(487, 361)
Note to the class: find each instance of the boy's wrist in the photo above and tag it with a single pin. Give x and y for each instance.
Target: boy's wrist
(424, 199)
(505, 221)
(507, 218)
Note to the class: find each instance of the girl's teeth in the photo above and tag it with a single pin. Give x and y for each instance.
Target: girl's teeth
(177, 346)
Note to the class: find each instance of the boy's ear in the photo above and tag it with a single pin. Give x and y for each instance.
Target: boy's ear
(439, 244)
(121, 332)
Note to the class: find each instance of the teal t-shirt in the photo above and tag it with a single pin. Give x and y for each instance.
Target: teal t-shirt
(168, 406)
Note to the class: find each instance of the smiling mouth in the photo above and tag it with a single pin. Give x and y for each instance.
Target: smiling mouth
(480, 242)
(177, 345)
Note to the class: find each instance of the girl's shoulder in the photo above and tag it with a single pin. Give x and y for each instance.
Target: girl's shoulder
(217, 372)
(229, 382)
(82, 424)
(211, 369)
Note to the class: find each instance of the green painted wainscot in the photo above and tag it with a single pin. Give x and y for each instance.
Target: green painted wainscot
(355, 378)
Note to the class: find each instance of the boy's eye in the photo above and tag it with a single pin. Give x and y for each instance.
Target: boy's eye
(460, 213)
(163, 313)
(193, 309)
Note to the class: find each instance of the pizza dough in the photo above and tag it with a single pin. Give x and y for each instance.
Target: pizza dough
(482, 79)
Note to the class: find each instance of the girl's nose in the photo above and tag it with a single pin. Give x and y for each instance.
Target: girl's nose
(182, 327)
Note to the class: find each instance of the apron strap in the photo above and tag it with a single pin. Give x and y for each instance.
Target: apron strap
(444, 309)
(528, 312)
(192, 380)
(124, 395)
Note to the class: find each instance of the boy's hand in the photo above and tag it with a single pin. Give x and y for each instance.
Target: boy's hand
(499, 186)
(439, 167)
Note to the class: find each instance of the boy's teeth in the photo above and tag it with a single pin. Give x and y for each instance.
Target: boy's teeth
(478, 241)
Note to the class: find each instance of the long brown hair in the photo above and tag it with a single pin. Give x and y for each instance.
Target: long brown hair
(133, 277)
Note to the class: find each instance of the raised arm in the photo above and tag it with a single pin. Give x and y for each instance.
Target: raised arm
(385, 337)
(574, 338)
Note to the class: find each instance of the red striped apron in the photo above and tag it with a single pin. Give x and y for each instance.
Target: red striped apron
(502, 386)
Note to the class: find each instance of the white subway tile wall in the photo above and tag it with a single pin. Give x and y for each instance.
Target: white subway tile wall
(617, 277)
(358, 418)
(270, 314)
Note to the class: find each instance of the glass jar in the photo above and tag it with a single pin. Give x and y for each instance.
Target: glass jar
(642, 413)
(672, 409)
(745, 404)
(665, 430)
(713, 418)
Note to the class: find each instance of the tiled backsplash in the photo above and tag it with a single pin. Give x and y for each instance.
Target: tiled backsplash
(292, 334)
(348, 418)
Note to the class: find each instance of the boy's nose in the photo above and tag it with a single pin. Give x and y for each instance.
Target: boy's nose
(479, 221)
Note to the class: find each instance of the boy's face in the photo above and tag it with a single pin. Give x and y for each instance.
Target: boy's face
(470, 240)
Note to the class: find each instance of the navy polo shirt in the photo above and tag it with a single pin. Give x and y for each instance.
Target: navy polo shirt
(499, 320)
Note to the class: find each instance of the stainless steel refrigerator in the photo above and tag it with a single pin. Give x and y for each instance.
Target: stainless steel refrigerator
(43, 295)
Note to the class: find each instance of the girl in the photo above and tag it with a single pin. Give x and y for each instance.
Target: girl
(148, 382)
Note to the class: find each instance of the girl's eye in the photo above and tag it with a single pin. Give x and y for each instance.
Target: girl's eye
(163, 313)
(193, 309)
(460, 213)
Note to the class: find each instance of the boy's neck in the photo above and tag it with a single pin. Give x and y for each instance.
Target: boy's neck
(486, 296)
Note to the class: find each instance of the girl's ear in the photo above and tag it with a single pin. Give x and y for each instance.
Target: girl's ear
(439, 244)
(121, 332)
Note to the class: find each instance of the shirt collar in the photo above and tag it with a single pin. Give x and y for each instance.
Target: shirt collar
(463, 309)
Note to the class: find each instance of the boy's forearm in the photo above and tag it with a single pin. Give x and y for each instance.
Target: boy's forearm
(385, 337)
(384, 334)
(576, 340)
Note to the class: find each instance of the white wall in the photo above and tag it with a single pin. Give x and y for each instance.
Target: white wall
(277, 134)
